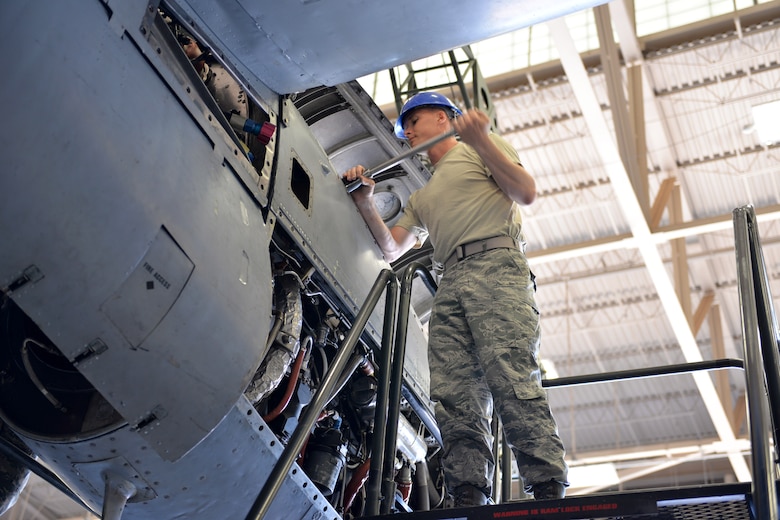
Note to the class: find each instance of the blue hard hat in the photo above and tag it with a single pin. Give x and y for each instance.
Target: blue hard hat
(431, 99)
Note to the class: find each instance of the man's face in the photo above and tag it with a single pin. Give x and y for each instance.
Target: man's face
(423, 124)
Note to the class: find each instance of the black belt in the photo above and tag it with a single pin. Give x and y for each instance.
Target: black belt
(479, 246)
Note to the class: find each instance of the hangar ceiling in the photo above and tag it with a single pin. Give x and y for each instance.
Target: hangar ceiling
(631, 238)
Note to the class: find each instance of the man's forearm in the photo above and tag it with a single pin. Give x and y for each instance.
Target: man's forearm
(391, 249)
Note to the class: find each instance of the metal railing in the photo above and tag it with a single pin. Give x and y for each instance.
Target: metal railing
(760, 344)
(396, 376)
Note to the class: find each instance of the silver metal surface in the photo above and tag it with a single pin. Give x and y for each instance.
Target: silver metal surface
(126, 202)
(219, 478)
(324, 43)
(144, 257)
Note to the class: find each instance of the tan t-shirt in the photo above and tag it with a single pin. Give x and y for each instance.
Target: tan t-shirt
(462, 203)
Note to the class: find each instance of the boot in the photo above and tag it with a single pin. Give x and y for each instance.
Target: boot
(548, 490)
(467, 495)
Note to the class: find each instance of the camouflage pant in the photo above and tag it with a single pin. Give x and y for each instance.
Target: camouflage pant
(483, 348)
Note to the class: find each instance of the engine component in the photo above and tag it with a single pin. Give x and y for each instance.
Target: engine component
(410, 443)
(269, 376)
(362, 397)
(358, 480)
(264, 131)
(325, 458)
(404, 481)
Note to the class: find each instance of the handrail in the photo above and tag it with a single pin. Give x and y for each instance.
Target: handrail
(663, 370)
(399, 355)
(384, 444)
(388, 441)
(758, 339)
(382, 399)
(767, 322)
(383, 450)
(309, 417)
(421, 409)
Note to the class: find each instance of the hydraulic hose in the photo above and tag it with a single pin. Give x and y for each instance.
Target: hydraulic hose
(358, 480)
(293, 382)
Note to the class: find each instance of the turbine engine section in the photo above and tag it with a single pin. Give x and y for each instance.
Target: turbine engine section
(325, 457)
(212, 274)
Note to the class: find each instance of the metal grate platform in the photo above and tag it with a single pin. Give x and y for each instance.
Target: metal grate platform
(716, 502)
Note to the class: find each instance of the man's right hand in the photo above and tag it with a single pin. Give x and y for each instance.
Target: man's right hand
(393, 242)
(366, 191)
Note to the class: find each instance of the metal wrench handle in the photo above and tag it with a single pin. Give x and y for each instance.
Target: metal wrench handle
(352, 186)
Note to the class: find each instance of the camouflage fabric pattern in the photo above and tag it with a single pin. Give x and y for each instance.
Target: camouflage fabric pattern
(483, 349)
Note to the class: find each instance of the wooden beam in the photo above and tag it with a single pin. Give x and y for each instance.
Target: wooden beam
(702, 310)
(636, 112)
(661, 201)
(740, 413)
(680, 258)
